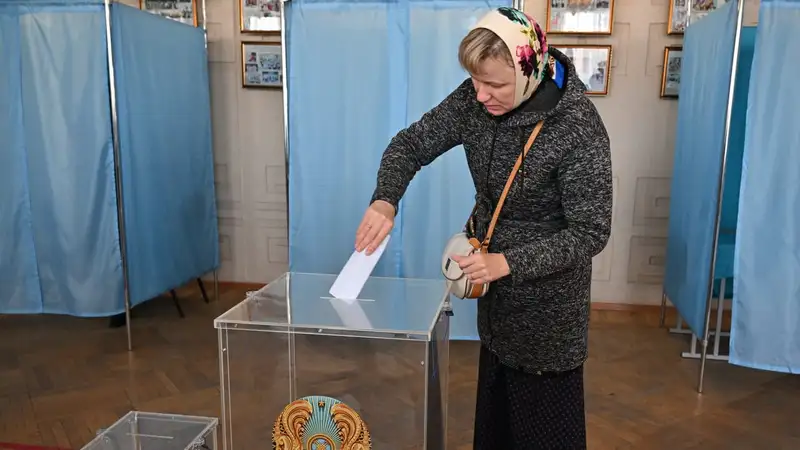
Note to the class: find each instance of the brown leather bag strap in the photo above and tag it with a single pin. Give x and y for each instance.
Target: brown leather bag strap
(510, 180)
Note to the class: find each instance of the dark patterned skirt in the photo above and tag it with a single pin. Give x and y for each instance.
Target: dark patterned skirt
(521, 411)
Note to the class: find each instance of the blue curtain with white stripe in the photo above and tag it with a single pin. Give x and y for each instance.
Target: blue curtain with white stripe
(383, 65)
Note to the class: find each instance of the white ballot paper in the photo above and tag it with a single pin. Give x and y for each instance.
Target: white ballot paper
(355, 273)
(351, 313)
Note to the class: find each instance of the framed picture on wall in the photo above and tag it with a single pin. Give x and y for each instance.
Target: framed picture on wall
(590, 17)
(593, 64)
(184, 11)
(262, 65)
(671, 73)
(682, 13)
(260, 16)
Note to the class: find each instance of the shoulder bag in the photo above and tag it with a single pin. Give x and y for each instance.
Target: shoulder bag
(463, 245)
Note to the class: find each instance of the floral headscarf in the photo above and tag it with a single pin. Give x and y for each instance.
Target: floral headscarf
(527, 44)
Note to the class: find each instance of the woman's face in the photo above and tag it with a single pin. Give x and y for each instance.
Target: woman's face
(495, 86)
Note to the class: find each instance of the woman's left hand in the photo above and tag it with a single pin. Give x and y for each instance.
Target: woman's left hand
(483, 268)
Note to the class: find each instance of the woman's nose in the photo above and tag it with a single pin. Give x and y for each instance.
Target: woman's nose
(483, 96)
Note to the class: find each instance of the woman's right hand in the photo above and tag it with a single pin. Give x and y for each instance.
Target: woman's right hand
(375, 226)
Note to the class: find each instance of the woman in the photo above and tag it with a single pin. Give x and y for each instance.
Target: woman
(533, 323)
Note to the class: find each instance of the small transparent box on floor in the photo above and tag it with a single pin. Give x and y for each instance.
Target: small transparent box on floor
(383, 356)
(155, 431)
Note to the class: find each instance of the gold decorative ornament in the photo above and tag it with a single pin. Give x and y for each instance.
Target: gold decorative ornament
(332, 425)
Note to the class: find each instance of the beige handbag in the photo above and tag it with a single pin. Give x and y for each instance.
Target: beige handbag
(460, 244)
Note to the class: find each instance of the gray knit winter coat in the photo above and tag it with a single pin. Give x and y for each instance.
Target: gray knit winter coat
(556, 217)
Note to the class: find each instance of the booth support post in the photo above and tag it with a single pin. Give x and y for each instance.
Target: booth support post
(720, 191)
(284, 71)
(123, 243)
(205, 19)
(216, 285)
(204, 13)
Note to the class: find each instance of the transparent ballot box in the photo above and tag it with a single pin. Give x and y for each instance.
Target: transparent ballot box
(383, 356)
(154, 431)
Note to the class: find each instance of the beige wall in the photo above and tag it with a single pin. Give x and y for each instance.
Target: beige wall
(248, 146)
(249, 157)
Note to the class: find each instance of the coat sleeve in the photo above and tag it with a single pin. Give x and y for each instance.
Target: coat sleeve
(438, 131)
(584, 177)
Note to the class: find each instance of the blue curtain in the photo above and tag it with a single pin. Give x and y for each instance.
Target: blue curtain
(765, 331)
(442, 195)
(705, 74)
(59, 246)
(67, 133)
(165, 142)
(19, 280)
(385, 64)
(733, 168)
(339, 123)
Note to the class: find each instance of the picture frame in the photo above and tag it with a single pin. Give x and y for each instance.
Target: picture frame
(260, 16)
(184, 11)
(580, 17)
(671, 72)
(262, 65)
(682, 13)
(593, 65)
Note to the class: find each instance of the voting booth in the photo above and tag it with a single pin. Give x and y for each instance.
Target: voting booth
(290, 350)
(734, 206)
(107, 192)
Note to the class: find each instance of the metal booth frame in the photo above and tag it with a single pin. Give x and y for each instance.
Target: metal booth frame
(718, 333)
(123, 241)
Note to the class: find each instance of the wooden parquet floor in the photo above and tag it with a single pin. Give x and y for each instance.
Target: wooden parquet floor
(61, 379)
